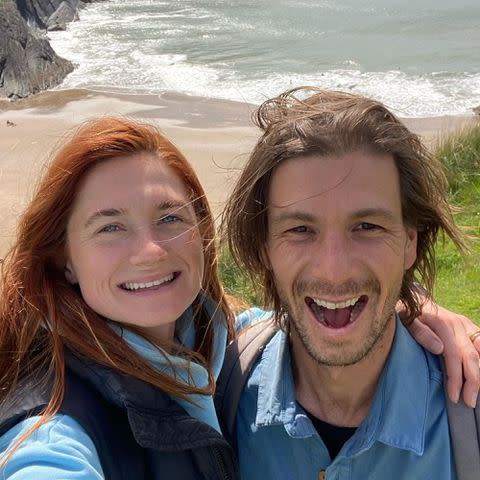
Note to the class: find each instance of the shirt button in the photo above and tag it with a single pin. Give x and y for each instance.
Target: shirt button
(322, 475)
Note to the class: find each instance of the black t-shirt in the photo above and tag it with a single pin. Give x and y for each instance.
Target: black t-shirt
(334, 437)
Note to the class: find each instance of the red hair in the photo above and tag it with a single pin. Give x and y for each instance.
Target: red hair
(41, 313)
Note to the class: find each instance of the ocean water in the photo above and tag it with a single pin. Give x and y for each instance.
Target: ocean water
(421, 58)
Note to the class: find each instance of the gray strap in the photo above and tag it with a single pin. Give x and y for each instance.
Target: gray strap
(239, 359)
(464, 423)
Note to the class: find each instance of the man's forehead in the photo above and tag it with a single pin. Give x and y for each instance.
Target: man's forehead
(356, 176)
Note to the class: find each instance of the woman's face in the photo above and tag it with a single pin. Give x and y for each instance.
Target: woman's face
(133, 243)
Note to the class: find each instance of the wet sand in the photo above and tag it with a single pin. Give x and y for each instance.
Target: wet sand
(215, 135)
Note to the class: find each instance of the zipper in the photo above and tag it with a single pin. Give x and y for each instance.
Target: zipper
(218, 457)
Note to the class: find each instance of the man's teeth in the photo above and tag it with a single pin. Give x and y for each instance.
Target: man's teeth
(332, 305)
(154, 283)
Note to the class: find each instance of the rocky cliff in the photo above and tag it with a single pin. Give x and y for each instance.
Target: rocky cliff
(49, 14)
(28, 63)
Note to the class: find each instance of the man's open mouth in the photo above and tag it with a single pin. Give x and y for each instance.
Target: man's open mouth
(337, 314)
(151, 285)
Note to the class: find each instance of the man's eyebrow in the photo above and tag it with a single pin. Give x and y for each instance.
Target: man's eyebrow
(378, 212)
(107, 212)
(295, 215)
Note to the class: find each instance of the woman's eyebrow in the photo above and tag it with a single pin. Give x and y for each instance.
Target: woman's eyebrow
(172, 205)
(117, 212)
(107, 212)
(183, 207)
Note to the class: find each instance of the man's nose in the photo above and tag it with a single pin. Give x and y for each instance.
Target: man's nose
(148, 248)
(333, 260)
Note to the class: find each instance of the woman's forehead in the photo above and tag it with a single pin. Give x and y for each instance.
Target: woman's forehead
(131, 182)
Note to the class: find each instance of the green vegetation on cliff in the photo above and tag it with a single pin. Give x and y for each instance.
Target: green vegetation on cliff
(458, 280)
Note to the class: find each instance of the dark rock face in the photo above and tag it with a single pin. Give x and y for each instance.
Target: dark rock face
(64, 14)
(476, 110)
(42, 13)
(28, 63)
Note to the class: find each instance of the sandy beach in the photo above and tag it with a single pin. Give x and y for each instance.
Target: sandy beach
(215, 135)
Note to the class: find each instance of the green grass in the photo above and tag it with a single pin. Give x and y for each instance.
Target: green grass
(458, 279)
(236, 283)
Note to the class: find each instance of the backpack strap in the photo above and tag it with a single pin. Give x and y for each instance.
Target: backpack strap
(464, 423)
(240, 357)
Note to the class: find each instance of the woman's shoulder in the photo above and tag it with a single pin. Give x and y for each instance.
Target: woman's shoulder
(59, 449)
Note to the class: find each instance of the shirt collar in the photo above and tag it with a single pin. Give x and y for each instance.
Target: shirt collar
(398, 413)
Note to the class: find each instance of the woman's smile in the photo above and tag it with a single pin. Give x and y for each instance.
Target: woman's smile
(133, 243)
(149, 284)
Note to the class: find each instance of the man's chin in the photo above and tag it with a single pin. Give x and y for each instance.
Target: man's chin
(339, 347)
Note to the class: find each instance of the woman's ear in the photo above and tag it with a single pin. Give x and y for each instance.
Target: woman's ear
(70, 274)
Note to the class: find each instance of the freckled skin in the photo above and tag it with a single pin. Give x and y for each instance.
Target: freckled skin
(336, 232)
(146, 230)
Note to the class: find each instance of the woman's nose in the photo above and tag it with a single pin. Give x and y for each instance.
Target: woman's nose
(147, 249)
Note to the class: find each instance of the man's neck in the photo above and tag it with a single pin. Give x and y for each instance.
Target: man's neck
(339, 395)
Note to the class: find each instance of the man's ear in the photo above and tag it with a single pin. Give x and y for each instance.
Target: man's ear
(265, 258)
(410, 247)
(70, 274)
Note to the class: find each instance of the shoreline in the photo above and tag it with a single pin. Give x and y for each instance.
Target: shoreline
(215, 135)
(190, 111)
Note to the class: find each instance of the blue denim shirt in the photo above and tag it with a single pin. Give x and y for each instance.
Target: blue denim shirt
(404, 436)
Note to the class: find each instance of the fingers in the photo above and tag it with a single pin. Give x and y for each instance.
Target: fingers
(470, 352)
(454, 345)
(461, 354)
(426, 337)
(471, 372)
(467, 357)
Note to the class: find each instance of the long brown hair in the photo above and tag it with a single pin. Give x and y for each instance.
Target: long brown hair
(41, 313)
(309, 120)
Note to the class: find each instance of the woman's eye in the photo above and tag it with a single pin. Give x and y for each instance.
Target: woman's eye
(109, 228)
(169, 219)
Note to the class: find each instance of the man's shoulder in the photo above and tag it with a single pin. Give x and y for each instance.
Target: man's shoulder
(410, 353)
(251, 317)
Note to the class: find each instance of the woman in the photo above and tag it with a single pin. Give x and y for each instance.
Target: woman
(113, 322)
(111, 307)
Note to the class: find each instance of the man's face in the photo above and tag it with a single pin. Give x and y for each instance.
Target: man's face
(338, 250)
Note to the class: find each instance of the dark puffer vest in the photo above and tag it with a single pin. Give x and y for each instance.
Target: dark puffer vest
(139, 432)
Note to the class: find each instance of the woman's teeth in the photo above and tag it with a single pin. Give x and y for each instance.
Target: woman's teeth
(153, 283)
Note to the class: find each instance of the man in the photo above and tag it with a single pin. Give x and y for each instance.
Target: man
(336, 214)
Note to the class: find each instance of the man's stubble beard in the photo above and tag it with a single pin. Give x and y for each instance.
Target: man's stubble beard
(374, 338)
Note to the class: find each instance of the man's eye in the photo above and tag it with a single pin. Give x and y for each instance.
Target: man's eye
(109, 228)
(299, 229)
(365, 226)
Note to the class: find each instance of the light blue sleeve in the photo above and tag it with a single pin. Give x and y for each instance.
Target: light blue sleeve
(250, 317)
(58, 450)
